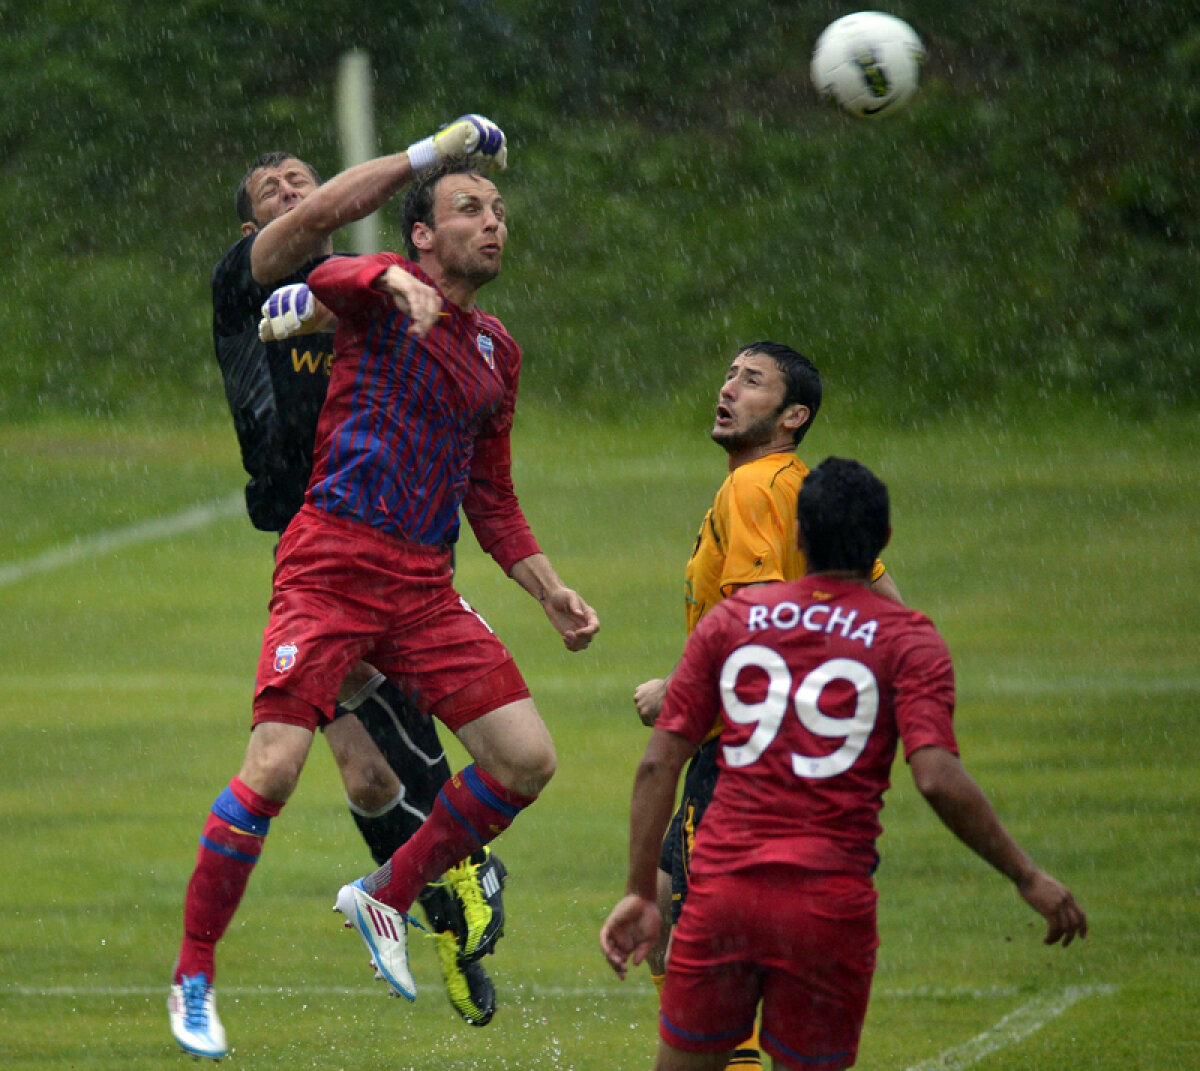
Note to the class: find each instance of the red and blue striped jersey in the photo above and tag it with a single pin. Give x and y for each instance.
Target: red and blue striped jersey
(412, 429)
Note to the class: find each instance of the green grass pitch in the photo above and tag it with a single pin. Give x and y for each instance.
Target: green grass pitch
(1057, 554)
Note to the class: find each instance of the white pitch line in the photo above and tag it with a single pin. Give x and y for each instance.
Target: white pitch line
(104, 542)
(537, 992)
(1014, 1027)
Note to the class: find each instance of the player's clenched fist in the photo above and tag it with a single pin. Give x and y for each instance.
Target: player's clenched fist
(288, 311)
(473, 138)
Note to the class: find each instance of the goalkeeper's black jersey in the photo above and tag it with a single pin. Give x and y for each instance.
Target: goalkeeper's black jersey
(274, 389)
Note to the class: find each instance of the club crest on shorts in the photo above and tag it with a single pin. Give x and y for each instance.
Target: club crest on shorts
(487, 348)
(285, 657)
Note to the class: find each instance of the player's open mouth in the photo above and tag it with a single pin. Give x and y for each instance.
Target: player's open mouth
(724, 415)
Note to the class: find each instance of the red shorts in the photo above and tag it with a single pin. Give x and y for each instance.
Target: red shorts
(801, 942)
(344, 592)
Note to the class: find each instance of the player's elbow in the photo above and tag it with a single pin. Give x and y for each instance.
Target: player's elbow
(937, 773)
(663, 761)
(649, 770)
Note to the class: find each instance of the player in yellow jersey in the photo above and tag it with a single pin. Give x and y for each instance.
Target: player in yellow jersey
(767, 403)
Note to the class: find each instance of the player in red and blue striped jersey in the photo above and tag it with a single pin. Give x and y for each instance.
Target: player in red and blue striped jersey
(417, 425)
(327, 621)
(387, 752)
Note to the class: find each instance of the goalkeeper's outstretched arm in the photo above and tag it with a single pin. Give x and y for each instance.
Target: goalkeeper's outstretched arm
(293, 239)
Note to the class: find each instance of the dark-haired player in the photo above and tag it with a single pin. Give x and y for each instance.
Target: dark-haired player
(415, 426)
(816, 682)
(766, 405)
(387, 752)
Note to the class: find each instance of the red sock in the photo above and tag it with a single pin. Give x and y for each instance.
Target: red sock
(229, 847)
(471, 809)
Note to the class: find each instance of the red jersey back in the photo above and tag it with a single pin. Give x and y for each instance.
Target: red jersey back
(816, 680)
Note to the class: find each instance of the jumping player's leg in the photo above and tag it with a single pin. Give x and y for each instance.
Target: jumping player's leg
(393, 766)
(466, 678)
(306, 650)
(233, 838)
(514, 760)
(473, 808)
(230, 845)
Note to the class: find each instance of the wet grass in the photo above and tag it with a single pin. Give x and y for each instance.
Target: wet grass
(1056, 555)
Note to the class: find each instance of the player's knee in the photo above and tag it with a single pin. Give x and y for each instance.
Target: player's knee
(278, 776)
(370, 782)
(545, 768)
(372, 790)
(532, 770)
(272, 772)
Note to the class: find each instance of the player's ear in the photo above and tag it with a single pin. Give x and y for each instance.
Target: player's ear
(422, 236)
(795, 416)
(249, 228)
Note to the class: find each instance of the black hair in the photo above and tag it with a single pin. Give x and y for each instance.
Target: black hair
(418, 199)
(241, 200)
(844, 517)
(801, 380)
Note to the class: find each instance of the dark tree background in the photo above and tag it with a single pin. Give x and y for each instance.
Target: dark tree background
(1030, 225)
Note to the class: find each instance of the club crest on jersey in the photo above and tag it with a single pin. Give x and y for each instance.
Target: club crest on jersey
(486, 347)
(285, 657)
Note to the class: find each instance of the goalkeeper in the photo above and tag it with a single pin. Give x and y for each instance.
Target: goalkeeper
(387, 752)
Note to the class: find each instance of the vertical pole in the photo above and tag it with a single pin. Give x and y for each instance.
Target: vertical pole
(356, 131)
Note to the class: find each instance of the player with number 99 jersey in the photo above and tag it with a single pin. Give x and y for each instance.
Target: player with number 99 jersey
(816, 680)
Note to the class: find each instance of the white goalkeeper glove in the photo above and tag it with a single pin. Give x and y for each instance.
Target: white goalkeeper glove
(286, 312)
(473, 138)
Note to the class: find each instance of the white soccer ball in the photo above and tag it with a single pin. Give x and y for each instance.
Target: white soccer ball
(868, 63)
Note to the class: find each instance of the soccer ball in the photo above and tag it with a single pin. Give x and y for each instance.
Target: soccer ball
(869, 63)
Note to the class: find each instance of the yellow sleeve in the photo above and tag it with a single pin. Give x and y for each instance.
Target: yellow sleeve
(702, 577)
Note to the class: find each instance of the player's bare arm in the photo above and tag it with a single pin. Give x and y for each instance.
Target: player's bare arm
(298, 217)
(418, 301)
(962, 805)
(634, 924)
(574, 619)
(302, 230)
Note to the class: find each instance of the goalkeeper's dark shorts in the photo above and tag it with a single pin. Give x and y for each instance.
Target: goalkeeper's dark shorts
(699, 783)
